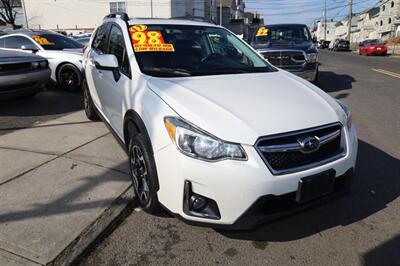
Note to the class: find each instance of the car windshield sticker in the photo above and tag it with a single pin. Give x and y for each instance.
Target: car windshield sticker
(263, 31)
(148, 40)
(42, 40)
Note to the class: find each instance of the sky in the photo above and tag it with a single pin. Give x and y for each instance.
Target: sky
(305, 11)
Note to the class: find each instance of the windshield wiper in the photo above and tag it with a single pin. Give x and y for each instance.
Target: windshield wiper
(167, 72)
(221, 71)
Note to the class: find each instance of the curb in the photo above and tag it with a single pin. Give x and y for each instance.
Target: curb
(75, 249)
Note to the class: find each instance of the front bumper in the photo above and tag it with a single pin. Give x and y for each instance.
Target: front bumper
(235, 186)
(22, 84)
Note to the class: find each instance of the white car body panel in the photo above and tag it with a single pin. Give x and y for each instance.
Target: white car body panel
(238, 108)
(55, 58)
(249, 105)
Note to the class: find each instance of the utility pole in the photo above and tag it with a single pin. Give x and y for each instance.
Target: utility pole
(325, 22)
(220, 12)
(350, 20)
(151, 7)
(26, 17)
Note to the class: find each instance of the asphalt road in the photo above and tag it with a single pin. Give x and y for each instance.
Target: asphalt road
(363, 229)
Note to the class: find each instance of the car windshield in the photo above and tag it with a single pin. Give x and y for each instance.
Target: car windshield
(56, 42)
(296, 33)
(375, 42)
(344, 42)
(180, 50)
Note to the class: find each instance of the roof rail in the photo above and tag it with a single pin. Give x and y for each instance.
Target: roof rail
(120, 15)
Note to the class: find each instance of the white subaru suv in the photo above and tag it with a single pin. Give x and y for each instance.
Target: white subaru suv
(215, 134)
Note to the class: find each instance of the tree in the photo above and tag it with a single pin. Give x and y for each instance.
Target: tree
(8, 11)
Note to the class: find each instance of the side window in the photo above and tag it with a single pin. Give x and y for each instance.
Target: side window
(100, 39)
(116, 46)
(18, 42)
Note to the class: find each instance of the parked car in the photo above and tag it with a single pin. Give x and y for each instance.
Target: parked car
(289, 47)
(63, 53)
(22, 74)
(341, 45)
(215, 134)
(372, 47)
(323, 44)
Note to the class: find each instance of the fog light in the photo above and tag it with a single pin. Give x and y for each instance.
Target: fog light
(198, 202)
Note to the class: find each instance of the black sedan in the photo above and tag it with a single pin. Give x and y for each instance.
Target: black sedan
(22, 74)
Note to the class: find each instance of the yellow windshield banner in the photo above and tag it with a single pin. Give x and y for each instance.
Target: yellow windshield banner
(42, 40)
(148, 41)
(263, 31)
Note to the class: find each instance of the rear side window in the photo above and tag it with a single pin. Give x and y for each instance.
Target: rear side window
(18, 42)
(100, 39)
(116, 46)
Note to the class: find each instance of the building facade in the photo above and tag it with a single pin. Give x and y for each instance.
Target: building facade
(389, 18)
(319, 32)
(78, 15)
(368, 25)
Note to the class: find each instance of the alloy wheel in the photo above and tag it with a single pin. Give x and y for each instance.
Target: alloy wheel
(139, 174)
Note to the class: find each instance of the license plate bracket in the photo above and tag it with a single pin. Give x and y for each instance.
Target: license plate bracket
(315, 186)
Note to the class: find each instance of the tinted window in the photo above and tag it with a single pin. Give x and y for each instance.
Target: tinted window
(116, 46)
(56, 42)
(18, 42)
(296, 33)
(100, 39)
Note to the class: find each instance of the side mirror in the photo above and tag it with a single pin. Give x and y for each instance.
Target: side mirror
(106, 62)
(32, 49)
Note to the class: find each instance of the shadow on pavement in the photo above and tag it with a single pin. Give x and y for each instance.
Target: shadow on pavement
(376, 185)
(385, 254)
(46, 105)
(332, 82)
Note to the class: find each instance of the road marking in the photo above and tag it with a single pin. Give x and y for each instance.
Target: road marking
(385, 72)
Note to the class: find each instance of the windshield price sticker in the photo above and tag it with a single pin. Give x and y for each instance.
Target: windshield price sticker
(148, 40)
(42, 40)
(262, 32)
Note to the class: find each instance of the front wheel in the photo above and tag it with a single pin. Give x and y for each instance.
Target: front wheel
(143, 173)
(69, 77)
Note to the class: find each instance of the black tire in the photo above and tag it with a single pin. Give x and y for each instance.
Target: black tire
(69, 77)
(143, 173)
(90, 110)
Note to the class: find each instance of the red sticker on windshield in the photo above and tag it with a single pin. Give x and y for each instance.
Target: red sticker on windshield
(148, 40)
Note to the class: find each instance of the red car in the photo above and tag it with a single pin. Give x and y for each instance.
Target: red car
(373, 47)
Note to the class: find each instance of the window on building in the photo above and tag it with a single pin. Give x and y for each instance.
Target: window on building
(383, 8)
(118, 7)
(327, 32)
(392, 4)
(381, 22)
(390, 20)
(116, 46)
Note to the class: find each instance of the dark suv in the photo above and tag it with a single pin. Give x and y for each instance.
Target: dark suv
(289, 47)
(341, 45)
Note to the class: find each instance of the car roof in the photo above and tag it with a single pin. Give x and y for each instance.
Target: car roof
(158, 21)
(30, 32)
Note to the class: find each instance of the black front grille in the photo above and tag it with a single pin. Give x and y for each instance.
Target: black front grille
(282, 59)
(15, 67)
(284, 161)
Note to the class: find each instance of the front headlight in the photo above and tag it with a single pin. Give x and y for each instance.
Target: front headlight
(196, 143)
(312, 57)
(347, 111)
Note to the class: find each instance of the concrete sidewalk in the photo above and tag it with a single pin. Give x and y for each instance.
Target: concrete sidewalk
(61, 184)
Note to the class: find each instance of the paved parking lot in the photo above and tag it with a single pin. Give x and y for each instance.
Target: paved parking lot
(363, 229)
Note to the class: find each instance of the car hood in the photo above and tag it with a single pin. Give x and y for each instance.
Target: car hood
(243, 107)
(7, 57)
(284, 45)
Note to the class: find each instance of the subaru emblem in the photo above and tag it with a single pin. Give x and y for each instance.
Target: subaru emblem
(309, 144)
